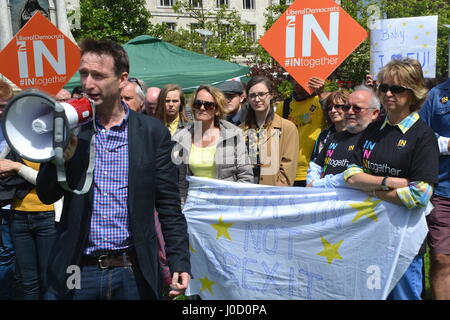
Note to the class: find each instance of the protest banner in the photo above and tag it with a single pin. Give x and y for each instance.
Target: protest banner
(414, 38)
(291, 43)
(261, 242)
(40, 56)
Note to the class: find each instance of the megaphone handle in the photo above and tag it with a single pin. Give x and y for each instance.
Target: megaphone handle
(61, 169)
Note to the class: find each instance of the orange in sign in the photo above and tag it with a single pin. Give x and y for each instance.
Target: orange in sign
(40, 56)
(312, 38)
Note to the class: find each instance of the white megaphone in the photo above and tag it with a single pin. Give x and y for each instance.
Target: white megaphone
(38, 129)
(32, 128)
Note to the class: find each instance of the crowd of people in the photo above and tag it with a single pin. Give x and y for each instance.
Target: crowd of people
(388, 137)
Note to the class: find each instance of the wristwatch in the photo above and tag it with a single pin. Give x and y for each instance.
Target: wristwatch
(384, 187)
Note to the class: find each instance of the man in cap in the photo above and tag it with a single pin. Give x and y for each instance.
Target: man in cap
(234, 93)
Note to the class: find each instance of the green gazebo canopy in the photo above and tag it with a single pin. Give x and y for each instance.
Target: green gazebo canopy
(158, 63)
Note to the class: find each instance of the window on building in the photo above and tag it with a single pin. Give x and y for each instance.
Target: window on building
(220, 3)
(224, 31)
(195, 3)
(171, 25)
(194, 26)
(166, 3)
(250, 34)
(248, 4)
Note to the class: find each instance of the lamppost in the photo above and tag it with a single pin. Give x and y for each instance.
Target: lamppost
(205, 33)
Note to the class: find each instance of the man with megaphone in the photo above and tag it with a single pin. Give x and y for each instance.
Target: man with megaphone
(109, 232)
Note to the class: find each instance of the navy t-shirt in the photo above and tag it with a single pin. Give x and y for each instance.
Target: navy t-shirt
(335, 156)
(413, 155)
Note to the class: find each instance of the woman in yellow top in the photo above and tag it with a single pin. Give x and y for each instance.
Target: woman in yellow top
(32, 230)
(170, 108)
(210, 147)
(272, 141)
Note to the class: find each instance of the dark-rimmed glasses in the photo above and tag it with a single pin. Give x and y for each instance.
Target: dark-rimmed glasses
(356, 109)
(209, 105)
(260, 95)
(393, 89)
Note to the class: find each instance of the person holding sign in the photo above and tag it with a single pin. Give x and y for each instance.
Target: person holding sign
(396, 159)
(109, 232)
(305, 111)
(272, 141)
(210, 147)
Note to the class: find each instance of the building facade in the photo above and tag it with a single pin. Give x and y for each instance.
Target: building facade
(251, 11)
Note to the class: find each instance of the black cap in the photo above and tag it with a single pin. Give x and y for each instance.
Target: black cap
(231, 87)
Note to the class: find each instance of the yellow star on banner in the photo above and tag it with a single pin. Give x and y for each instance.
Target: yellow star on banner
(191, 248)
(222, 229)
(206, 284)
(416, 37)
(365, 208)
(330, 251)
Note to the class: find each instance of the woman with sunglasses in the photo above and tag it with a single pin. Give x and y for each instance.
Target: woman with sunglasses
(327, 169)
(210, 147)
(334, 117)
(396, 159)
(170, 108)
(272, 141)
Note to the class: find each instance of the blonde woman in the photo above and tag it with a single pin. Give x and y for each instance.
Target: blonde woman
(210, 147)
(396, 159)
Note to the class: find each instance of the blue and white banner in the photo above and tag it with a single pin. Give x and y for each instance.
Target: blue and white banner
(259, 242)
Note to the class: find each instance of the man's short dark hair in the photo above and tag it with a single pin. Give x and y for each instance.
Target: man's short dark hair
(108, 47)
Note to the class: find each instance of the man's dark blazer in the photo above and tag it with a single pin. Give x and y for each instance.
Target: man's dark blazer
(152, 184)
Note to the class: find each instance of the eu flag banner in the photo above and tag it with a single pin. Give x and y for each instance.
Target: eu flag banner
(260, 242)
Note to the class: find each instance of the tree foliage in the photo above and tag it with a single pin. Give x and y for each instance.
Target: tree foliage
(118, 20)
(228, 39)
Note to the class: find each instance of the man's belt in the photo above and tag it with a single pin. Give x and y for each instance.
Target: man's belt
(106, 261)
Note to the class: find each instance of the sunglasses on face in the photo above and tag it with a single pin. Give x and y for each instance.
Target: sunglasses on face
(393, 89)
(356, 109)
(135, 80)
(209, 105)
(260, 95)
(335, 106)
